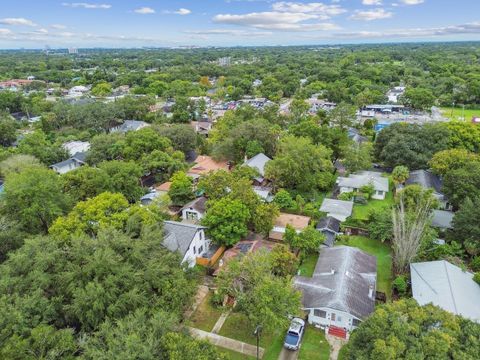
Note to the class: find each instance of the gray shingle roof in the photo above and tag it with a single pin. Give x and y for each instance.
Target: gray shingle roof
(347, 289)
(340, 207)
(178, 236)
(426, 179)
(447, 286)
(258, 162)
(329, 223)
(197, 204)
(442, 219)
(363, 178)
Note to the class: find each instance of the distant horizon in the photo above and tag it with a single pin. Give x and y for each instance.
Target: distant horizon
(221, 23)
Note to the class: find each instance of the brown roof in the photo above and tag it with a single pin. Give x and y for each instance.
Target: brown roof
(164, 187)
(205, 164)
(298, 222)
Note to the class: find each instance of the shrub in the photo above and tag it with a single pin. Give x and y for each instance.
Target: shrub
(475, 263)
(400, 285)
(346, 196)
(476, 278)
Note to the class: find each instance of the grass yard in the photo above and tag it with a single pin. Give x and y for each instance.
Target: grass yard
(361, 212)
(314, 345)
(237, 327)
(458, 113)
(206, 315)
(308, 265)
(233, 355)
(383, 254)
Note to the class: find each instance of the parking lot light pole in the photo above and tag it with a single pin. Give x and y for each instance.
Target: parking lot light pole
(257, 332)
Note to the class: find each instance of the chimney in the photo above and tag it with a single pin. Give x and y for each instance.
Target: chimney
(332, 271)
(370, 292)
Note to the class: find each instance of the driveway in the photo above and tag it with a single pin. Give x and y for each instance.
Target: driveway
(288, 355)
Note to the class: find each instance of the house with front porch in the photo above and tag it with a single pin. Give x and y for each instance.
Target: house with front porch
(355, 182)
(341, 292)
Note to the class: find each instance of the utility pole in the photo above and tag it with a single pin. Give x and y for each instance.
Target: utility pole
(257, 332)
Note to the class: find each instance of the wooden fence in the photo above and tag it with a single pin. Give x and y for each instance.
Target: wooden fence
(210, 262)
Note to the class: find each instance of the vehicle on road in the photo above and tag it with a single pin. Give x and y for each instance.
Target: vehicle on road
(294, 334)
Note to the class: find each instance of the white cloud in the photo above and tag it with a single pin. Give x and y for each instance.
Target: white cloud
(322, 11)
(229, 32)
(412, 2)
(87, 5)
(17, 21)
(5, 32)
(183, 11)
(144, 10)
(372, 2)
(369, 15)
(58, 26)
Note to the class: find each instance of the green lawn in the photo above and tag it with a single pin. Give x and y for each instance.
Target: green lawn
(206, 315)
(458, 113)
(361, 212)
(237, 327)
(308, 265)
(233, 355)
(382, 252)
(314, 345)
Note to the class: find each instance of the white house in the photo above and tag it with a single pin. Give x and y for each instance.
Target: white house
(74, 147)
(354, 182)
(73, 163)
(394, 94)
(338, 209)
(195, 210)
(447, 286)
(341, 292)
(258, 163)
(77, 91)
(188, 240)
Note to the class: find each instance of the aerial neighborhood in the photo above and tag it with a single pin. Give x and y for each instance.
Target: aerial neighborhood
(216, 203)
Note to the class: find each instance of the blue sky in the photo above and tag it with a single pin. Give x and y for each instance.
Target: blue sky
(132, 23)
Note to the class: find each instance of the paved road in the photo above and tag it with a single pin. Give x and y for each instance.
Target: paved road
(288, 355)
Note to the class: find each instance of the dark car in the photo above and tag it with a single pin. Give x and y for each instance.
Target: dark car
(294, 334)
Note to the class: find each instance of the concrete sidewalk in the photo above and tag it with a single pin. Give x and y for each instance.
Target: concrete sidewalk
(221, 320)
(227, 343)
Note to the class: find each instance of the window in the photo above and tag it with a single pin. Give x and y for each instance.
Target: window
(332, 317)
(339, 319)
(201, 235)
(356, 322)
(320, 313)
(194, 250)
(200, 249)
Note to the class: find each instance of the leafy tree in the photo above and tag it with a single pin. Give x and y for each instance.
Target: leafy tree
(300, 165)
(284, 262)
(181, 190)
(358, 157)
(284, 200)
(400, 174)
(432, 333)
(17, 163)
(445, 161)
(464, 135)
(102, 89)
(163, 164)
(85, 182)
(342, 116)
(37, 145)
(307, 241)
(414, 196)
(418, 98)
(216, 184)
(8, 131)
(380, 225)
(11, 236)
(105, 147)
(226, 220)
(458, 184)
(34, 198)
(264, 298)
(143, 141)
(466, 225)
(124, 178)
(264, 217)
(182, 136)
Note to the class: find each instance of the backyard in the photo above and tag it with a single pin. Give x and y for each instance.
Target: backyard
(382, 252)
(206, 315)
(361, 212)
(314, 345)
(459, 113)
(308, 265)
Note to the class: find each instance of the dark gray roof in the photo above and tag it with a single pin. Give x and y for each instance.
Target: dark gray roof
(198, 204)
(329, 238)
(329, 223)
(426, 179)
(80, 156)
(347, 288)
(178, 236)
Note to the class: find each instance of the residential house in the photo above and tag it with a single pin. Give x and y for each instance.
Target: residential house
(354, 182)
(195, 210)
(202, 127)
(188, 240)
(338, 209)
(204, 164)
(428, 180)
(446, 286)
(354, 135)
(264, 192)
(258, 163)
(330, 227)
(341, 292)
(394, 94)
(442, 219)
(77, 91)
(130, 125)
(298, 222)
(74, 147)
(73, 163)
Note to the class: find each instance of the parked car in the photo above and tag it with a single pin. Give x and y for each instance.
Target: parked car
(294, 334)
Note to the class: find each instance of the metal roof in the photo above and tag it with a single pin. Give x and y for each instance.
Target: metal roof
(447, 286)
(258, 162)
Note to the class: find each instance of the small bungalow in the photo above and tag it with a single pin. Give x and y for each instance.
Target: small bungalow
(330, 227)
(354, 182)
(264, 192)
(188, 240)
(204, 164)
(442, 219)
(130, 125)
(258, 163)
(338, 209)
(447, 286)
(341, 292)
(195, 210)
(298, 222)
(73, 163)
(74, 147)
(428, 180)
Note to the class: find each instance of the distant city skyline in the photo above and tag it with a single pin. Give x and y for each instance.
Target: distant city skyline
(167, 23)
